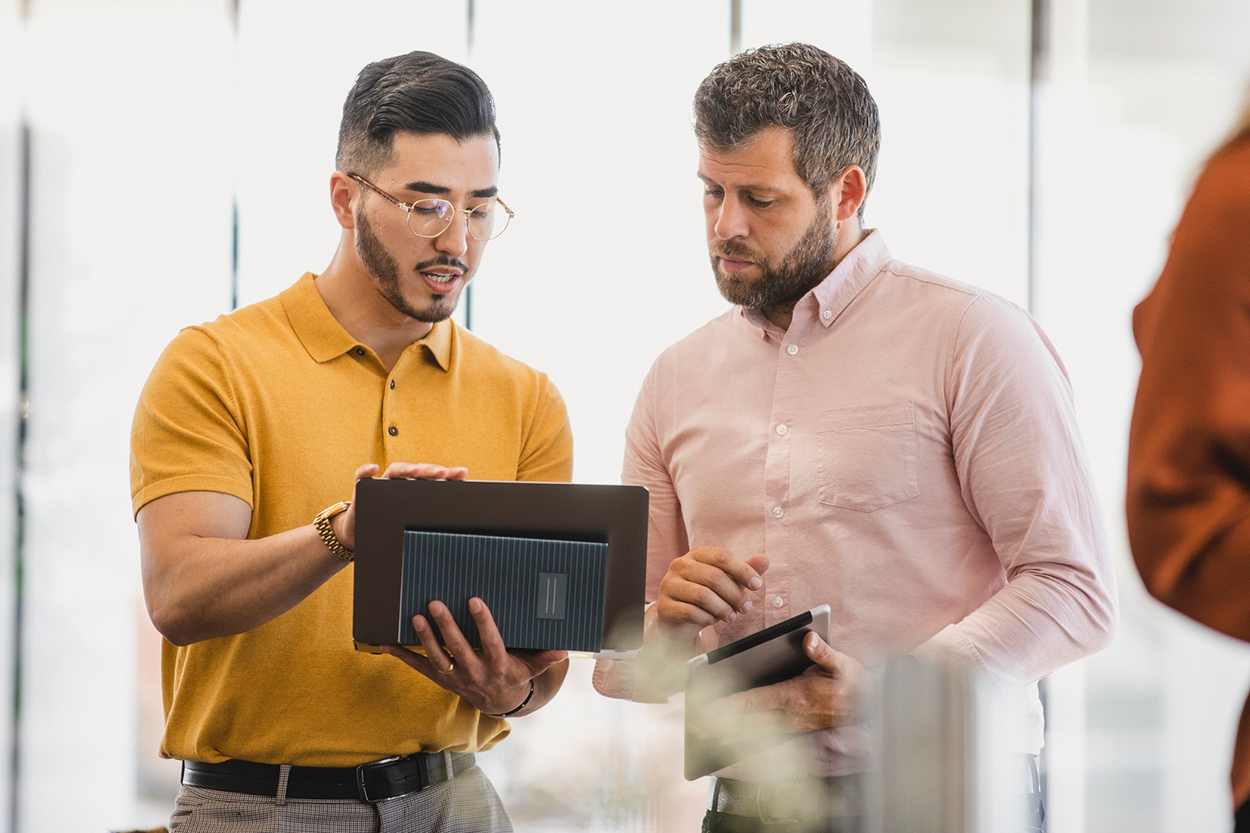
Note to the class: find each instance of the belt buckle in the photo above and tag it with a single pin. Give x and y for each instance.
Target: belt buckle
(362, 789)
(764, 795)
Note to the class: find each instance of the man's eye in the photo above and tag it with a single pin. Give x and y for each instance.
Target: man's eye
(714, 193)
(758, 203)
(430, 209)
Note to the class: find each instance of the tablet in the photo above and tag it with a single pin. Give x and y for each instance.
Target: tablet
(561, 566)
(761, 659)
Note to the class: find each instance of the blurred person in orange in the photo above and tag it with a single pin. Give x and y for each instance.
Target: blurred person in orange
(1188, 500)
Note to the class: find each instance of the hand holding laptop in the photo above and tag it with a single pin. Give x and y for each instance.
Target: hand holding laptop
(492, 679)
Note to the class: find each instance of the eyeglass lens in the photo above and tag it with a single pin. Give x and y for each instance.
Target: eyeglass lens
(430, 218)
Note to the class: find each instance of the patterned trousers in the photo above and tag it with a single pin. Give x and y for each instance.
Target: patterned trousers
(466, 804)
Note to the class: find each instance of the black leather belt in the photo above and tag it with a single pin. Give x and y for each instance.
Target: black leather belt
(374, 781)
(805, 801)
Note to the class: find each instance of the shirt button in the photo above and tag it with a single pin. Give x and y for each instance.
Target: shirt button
(778, 511)
(360, 351)
(393, 431)
(781, 429)
(392, 384)
(792, 349)
(827, 314)
(777, 602)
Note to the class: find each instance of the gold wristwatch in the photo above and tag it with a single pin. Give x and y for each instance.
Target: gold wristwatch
(332, 542)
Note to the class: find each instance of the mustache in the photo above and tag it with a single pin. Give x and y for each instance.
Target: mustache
(442, 260)
(736, 250)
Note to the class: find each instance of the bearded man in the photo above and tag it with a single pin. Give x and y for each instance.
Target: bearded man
(244, 446)
(854, 432)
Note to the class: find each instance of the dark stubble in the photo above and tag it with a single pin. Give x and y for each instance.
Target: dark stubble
(385, 271)
(780, 285)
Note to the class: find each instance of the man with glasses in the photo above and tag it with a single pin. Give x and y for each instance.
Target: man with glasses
(893, 444)
(247, 440)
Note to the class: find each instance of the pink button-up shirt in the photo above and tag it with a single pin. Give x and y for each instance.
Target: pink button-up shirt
(907, 453)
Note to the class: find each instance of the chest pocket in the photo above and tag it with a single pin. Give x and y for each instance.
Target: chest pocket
(866, 456)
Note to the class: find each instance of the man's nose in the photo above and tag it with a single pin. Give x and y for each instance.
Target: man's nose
(729, 220)
(454, 240)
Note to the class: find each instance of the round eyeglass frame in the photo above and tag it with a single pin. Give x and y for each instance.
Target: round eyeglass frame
(452, 212)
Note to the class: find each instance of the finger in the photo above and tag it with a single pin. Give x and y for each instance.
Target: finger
(457, 644)
(740, 570)
(707, 587)
(368, 470)
(411, 658)
(759, 563)
(413, 471)
(683, 602)
(493, 649)
(437, 658)
(424, 471)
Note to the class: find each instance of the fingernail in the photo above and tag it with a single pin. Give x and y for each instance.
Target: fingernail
(746, 605)
(755, 583)
(732, 616)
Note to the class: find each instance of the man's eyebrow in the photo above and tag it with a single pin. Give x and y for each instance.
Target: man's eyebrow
(442, 190)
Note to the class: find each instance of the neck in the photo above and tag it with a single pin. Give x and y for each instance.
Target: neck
(361, 310)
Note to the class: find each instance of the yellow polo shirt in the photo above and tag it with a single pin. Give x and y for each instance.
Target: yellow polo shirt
(277, 405)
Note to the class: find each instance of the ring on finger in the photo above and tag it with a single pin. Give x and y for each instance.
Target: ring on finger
(450, 667)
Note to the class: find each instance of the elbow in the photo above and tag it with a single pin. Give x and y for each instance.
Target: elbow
(171, 628)
(1103, 612)
(172, 620)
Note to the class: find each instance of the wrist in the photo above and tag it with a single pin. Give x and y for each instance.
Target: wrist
(329, 534)
(524, 703)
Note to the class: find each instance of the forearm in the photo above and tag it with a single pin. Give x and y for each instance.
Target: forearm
(1036, 624)
(200, 588)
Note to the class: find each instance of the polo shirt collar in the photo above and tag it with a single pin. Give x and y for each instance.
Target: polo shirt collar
(438, 342)
(324, 337)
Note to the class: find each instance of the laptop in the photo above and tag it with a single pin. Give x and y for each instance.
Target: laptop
(561, 566)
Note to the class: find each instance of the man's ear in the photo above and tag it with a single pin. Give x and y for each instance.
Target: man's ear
(848, 192)
(342, 199)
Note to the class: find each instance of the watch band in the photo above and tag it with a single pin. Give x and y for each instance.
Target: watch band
(332, 542)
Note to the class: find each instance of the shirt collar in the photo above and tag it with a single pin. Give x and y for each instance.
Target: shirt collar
(832, 295)
(324, 337)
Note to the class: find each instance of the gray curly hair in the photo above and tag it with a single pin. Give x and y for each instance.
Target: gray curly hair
(801, 88)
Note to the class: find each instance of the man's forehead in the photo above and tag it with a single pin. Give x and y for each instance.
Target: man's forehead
(441, 160)
(767, 155)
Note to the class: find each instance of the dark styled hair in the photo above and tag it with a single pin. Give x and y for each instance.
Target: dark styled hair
(801, 88)
(420, 93)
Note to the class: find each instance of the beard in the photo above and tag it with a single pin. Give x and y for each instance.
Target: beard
(384, 269)
(781, 285)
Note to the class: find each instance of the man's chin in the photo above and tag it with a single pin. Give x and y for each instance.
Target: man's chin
(735, 289)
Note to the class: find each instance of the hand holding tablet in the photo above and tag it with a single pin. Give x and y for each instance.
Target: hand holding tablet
(714, 733)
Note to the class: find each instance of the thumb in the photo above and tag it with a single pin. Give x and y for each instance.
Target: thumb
(819, 652)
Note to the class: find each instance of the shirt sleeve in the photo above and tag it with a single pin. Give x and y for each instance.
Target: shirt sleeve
(188, 432)
(1025, 478)
(666, 532)
(547, 454)
(1188, 490)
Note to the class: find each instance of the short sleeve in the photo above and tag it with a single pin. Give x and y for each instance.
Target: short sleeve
(188, 432)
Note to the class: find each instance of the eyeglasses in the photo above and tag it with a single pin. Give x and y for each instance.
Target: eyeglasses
(430, 218)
